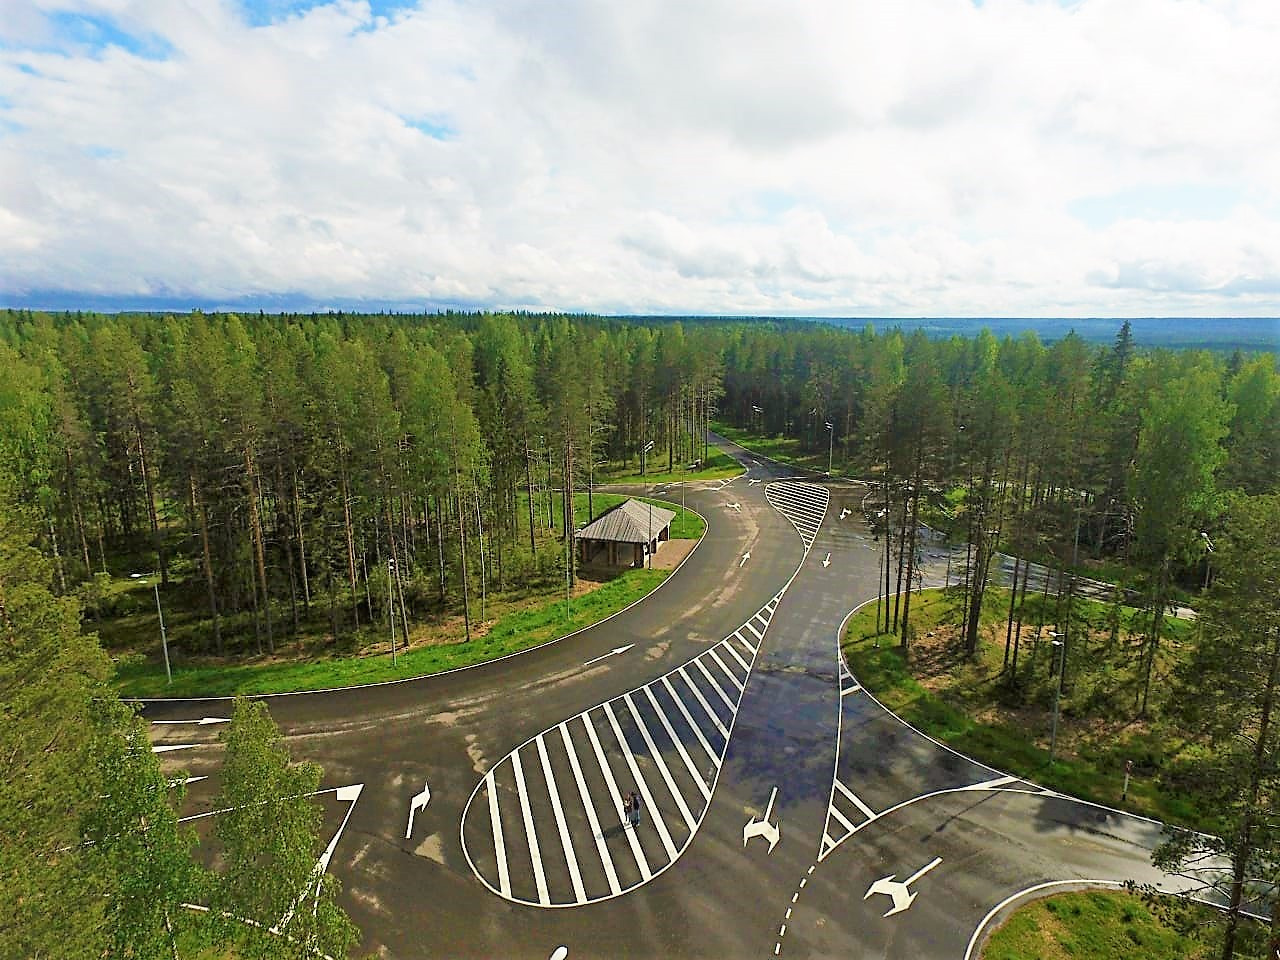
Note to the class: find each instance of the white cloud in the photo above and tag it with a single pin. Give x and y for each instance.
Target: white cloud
(730, 156)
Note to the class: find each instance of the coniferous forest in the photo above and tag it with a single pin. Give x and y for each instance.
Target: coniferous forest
(264, 465)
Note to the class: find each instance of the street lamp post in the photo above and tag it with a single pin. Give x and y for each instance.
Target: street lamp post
(391, 598)
(831, 442)
(1208, 546)
(164, 638)
(1057, 696)
(644, 458)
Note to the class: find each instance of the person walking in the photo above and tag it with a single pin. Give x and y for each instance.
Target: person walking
(635, 808)
(626, 809)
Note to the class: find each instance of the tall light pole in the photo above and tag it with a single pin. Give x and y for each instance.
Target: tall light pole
(164, 639)
(759, 412)
(1208, 546)
(644, 458)
(831, 442)
(1057, 696)
(649, 533)
(391, 598)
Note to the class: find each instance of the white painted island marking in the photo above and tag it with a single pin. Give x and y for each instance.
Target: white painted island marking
(612, 653)
(417, 802)
(559, 953)
(897, 890)
(762, 827)
(203, 721)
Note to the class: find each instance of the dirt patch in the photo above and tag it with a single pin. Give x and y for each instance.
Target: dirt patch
(671, 553)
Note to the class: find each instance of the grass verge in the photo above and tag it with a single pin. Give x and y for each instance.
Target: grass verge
(1090, 925)
(511, 633)
(969, 703)
(716, 467)
(786, 450)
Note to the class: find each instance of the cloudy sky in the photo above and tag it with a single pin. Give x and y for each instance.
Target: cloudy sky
(885, 158)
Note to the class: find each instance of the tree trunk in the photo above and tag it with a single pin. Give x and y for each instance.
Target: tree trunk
(255, 522)
(302, 545)
(208, 563)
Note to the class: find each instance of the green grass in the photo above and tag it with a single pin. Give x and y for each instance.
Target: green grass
(1014, 733)
(1090, 925)
(783, 449)
(718, 466)
(512, 633)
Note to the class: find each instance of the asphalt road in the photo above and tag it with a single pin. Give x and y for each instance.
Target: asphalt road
(731, 703)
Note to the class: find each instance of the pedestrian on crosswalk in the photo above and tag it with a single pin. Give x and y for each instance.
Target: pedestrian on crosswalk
(626, 809)
(634, 800)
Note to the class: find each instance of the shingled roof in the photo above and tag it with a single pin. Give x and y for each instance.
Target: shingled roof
(627, 523)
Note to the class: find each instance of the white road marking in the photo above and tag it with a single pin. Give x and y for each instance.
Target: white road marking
(539, 876)
(593, 821)
(416, 803)
(170, 749)
(712, 680)
(762, 827)
(848, 690)
(559, 953)
(992, 784)
(977, 933)
(690, 820)
(733, 678)
(697, 731)
(745, 557)
(898, 890)
(747, 643)
(612, 653)
(203, 721)
(655, 815)
(715, 718)
(737, 656)
(616, 794)
(853, 798)
(684, 754)
(844, 821)
(756, 633)
(499, 845)
(570, 858)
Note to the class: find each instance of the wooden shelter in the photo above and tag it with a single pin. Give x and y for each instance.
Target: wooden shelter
(624, 535)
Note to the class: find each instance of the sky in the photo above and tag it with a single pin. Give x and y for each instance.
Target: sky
(733, 157)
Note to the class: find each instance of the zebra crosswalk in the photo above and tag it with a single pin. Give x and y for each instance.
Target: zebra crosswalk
(545, 826)
(804, 504)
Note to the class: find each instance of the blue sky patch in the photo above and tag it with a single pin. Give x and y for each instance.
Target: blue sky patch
(260, 13)
(99, 33)
(437, 128)
(1184, 201)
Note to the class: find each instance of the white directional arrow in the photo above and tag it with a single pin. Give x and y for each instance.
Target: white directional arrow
(844, 512)
(203, 721)
(762, 827)
(418, 802)
(827, 561)
(185, 781)
(745, 557)
(612, 653)
(902, 898)
(734, 506)
(753, 480)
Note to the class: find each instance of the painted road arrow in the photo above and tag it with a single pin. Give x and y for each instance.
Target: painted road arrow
(203, 721)
(902, 898)
(171, 747)
(753, 480)
(418, 802)
(844, 512)
(827, 562)
(762, 827)
(612, 653)
(745, 557)
(734, 506)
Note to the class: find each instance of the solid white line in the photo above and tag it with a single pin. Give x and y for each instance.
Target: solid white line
(853, 798)
(697, 731)
(737, 656)
(715, 717)
(684, 754)
(992, 784)
(539, 877)
(844, 821)
(592, 820)
(171, 748)
(733, 678)
(616, 794)
(756, 633)
(655, 815)
(689, 819)
(570, 858)
(499, 845)
(712, 680)
(853, 689)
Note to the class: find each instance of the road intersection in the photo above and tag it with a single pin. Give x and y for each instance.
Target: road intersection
(490, 819)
